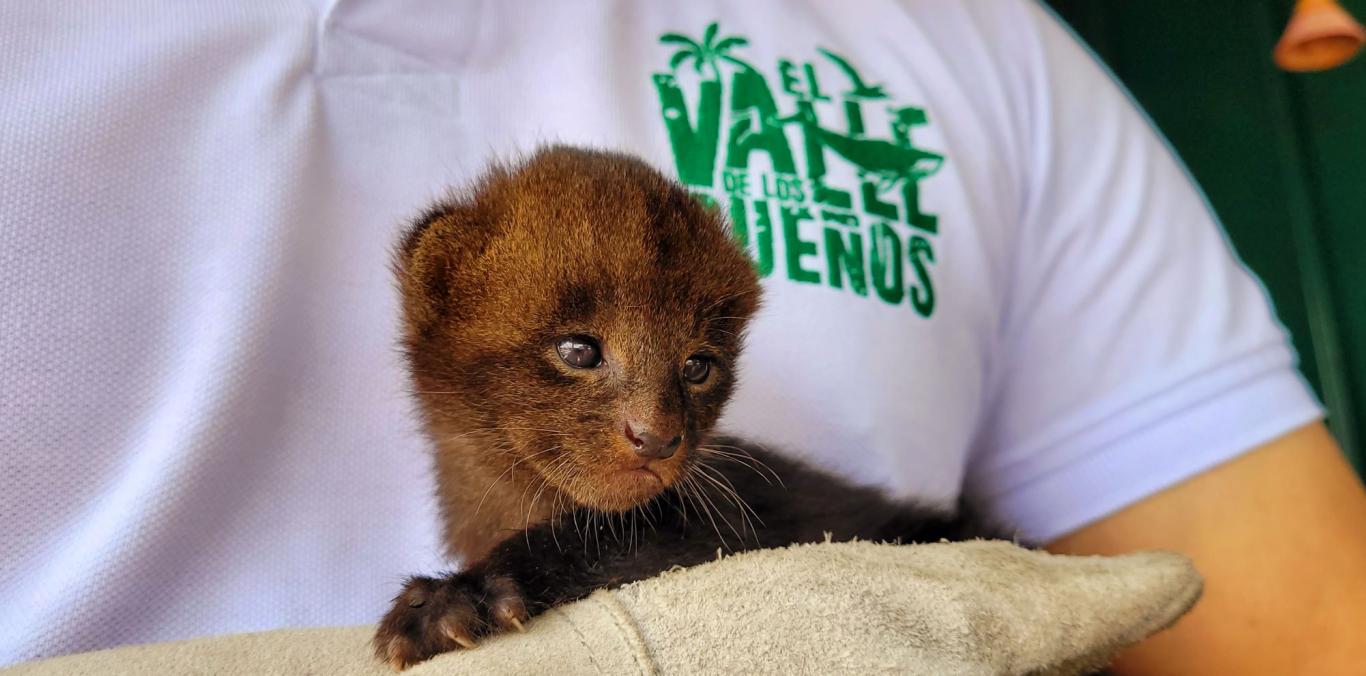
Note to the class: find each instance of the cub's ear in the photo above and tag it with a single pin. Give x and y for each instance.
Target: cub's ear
(430, 254)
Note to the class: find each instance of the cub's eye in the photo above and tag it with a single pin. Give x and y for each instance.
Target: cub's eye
(581, 352)
(696, 369)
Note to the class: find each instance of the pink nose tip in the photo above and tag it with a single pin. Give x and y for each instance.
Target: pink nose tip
(650, 445)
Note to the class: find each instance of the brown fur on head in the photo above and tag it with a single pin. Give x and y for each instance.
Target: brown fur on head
(568, 243)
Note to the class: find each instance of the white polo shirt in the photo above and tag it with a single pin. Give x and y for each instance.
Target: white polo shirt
(985, 273)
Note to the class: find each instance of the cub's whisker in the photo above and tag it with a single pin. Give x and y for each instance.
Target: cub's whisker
(485, 496)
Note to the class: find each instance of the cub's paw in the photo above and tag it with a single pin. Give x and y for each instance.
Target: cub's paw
(432, 616)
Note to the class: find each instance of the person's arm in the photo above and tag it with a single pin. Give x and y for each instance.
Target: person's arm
(1280, 536)
(1144, 388)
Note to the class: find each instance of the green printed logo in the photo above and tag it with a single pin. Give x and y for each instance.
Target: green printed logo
(842, 205)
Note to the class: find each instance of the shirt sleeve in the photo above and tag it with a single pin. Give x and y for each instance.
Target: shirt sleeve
(1136, 350)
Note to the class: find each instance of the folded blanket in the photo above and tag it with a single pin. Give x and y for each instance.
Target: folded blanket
(960, 608)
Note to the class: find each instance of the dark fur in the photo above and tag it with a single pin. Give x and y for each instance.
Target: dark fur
(530, 455)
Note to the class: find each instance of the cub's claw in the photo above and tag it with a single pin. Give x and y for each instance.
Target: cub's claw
(431, 616)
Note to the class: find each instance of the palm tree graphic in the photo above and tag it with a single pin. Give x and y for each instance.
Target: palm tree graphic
(708, 53)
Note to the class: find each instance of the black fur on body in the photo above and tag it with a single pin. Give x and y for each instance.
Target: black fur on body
(555, 479)
(744, 498)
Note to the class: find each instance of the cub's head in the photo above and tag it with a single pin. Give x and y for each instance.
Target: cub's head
(580, 315)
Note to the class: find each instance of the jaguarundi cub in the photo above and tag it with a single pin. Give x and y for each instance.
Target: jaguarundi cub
(572, 326)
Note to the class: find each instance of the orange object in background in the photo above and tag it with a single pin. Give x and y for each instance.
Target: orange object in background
(1320, 35)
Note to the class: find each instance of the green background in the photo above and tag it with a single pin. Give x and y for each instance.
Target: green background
(1282, 157)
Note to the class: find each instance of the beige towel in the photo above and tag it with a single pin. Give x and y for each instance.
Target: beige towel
(859, 608)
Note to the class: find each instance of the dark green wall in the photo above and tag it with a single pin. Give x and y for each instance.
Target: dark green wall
(1281, 156)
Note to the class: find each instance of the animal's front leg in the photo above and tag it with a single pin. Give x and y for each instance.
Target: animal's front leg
(433, 615)
(524, 576)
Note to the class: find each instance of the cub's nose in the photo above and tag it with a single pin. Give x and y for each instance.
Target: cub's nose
(651, 445)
